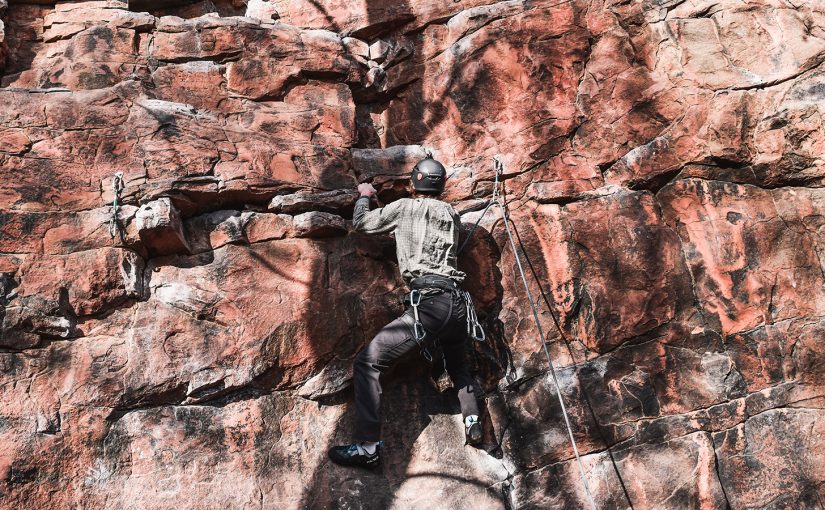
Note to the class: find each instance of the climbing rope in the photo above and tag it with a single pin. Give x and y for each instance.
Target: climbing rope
(117, 188)
(572, 357)
(496, 200)
(499, 168)
(547, 354)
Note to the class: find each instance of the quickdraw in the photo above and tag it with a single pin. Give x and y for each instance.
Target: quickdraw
(474, 329)
(117, 188)
(499, 168)
(419, 333)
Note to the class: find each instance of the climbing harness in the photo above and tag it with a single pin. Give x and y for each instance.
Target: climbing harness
(444, 284)
(496, 200)
(117, 188)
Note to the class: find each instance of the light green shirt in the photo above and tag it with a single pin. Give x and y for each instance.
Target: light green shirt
(426, 234)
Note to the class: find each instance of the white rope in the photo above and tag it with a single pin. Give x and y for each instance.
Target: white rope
(499, 167)
(497, 200)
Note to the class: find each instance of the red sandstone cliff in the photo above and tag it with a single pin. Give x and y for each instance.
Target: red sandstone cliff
(664, 169)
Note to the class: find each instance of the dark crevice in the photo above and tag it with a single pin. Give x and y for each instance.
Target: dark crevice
(192, 203)
(188, 9)
(165, 397)
(263, 384)
(218, 58)
(299, 80)
(368, 95)
(726, 163)
(786, 182)
(657, 182)
(373, 31)
(562, 200)
(603, 167)
(780, 81)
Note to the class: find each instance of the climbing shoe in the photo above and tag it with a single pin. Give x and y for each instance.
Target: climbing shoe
(472, 430)
(355, 455)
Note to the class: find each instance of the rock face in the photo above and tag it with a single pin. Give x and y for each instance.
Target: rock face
(192, 347)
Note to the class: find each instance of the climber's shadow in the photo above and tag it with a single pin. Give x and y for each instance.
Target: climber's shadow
(409, 403)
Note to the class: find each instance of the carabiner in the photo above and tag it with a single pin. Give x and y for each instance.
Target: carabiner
(478, 333)
(419, 330)
(415, 298)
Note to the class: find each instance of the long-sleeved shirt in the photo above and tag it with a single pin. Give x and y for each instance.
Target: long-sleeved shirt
(426, 234)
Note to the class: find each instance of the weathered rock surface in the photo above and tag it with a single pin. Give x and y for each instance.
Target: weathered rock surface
(663, 169)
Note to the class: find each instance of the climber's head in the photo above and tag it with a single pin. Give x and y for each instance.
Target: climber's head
(428, 177)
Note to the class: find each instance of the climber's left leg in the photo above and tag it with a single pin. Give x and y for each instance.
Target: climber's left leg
(392, 343)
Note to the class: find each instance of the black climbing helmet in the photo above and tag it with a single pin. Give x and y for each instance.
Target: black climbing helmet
(428, 176)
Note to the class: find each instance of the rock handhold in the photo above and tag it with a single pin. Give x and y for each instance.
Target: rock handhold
(357, 48)
(25, 320)
(319, 224)
(334, 201)
(335, 377)
(160, 228)
(260, 227)
(379, 50)
(397, 160)
(212, 230)
(376, 78)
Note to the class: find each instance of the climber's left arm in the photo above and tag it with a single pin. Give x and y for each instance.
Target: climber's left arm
(378, 221)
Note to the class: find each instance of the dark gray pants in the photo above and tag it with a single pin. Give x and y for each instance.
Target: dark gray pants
(444, 317)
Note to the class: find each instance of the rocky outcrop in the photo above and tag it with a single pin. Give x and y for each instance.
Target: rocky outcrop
(192, 347)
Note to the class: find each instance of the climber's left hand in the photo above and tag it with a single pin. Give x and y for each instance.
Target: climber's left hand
(366, 189)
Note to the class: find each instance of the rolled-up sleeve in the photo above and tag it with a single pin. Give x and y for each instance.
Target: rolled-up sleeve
(378, 221)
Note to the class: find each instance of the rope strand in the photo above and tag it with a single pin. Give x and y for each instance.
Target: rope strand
(575, 365)
(499, 168)
(547, 354)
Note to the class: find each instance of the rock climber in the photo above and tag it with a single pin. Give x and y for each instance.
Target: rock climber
(426, 234)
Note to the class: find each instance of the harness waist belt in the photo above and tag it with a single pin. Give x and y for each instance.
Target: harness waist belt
(434, 281)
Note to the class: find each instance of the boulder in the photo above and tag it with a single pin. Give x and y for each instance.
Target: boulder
(159, 226)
